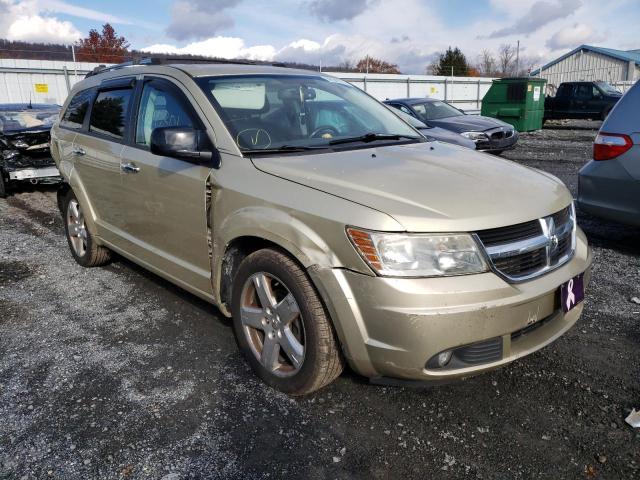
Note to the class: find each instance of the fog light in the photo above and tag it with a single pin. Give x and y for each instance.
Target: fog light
(443, 358)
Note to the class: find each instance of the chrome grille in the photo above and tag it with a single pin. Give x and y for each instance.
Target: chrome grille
(526, 250)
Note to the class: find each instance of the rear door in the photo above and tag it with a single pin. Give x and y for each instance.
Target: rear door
(165, 198)
(97, 150)
(583, 100)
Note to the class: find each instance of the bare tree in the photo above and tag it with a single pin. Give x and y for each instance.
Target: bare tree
(486, 63)
(506, 55)
(527, 64)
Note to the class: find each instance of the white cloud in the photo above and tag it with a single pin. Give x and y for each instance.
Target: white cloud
(571, 37)
(59, 6)
(222, 47)
(22, 21)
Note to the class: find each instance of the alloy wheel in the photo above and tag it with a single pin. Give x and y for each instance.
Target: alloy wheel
(76, 228)
(273, 325)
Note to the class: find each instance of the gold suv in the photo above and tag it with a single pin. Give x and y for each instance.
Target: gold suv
(326, 226)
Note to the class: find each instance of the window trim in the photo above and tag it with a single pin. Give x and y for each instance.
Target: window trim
(123, 83)
(182, 98)
(92, 92)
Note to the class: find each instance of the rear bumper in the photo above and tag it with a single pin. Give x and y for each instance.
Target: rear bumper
(392, 327)
(606, 190)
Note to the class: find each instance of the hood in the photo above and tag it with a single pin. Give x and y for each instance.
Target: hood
(447, 136)
(26, 141)
(468, 123)
(429, 186)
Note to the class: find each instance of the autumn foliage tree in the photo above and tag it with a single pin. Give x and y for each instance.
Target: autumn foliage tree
(105, 47)
(375, 65)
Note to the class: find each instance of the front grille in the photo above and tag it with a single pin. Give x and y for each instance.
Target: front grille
(525, 250)
(521, 231)
(523, 264)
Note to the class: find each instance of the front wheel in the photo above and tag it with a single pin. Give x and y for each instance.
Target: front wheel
(81, 243)
(281, 326)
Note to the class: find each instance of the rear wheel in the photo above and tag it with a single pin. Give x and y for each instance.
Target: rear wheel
(82, 245)
(281, 326)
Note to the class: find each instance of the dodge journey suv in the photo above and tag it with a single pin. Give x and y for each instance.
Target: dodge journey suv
(327, 227)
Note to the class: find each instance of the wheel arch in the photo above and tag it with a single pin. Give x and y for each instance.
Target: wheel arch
(253, 229)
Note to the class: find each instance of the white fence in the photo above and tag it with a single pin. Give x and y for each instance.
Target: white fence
(465, 93)
(45, 81)
(39, 81)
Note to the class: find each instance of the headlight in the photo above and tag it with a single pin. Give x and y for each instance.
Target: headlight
(8, 154)
(418, 255)
(476, 136)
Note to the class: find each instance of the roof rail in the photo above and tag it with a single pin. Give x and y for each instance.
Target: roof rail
(172, 60)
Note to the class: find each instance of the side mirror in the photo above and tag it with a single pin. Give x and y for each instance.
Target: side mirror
(184, 143)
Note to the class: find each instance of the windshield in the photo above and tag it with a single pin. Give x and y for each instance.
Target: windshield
(435, 110)
(27, 119)
(608, 89)
(411, 120)
(268, 112)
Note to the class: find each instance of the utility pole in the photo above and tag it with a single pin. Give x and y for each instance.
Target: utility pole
(451, 71)
(518, 58)
(75, 66)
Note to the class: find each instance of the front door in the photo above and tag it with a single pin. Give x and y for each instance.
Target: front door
(166, 219)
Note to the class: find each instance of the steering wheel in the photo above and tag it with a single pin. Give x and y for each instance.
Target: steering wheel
(324, 129)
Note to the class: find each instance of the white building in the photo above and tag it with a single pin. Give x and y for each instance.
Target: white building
(588, 63)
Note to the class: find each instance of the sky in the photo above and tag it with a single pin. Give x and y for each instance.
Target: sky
(406, 32)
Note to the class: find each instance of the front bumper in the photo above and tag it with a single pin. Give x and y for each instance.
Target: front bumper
(496, 144)
(391, 327)
(44, 174)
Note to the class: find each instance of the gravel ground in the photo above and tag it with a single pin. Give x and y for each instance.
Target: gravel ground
(114, 373)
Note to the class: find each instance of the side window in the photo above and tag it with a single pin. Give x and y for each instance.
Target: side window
(109, 113)
(161, 105)
(404, 108)
(74, 114)
(596, 92)
(583, 91)
(564, 90)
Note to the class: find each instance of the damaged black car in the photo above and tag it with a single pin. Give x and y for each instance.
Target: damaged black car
(24, 145)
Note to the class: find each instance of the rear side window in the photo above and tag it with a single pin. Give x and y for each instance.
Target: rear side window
(565, 90)
(109, 113)
(74, 114)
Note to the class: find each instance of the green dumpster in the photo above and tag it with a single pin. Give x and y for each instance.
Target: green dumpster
(518, 101)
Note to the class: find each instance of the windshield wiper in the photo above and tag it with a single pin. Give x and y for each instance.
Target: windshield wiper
(284, 148)
(372, 137)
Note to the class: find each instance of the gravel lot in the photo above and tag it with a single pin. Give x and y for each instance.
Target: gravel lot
(114, 373)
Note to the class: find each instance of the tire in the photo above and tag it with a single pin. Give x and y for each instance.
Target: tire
(304, 351)
(82, 245)
(3, 186)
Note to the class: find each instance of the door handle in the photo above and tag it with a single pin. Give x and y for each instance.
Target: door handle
(78, 151)
(129, 167)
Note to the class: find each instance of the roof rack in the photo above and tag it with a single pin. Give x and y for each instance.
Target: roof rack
(171, 60)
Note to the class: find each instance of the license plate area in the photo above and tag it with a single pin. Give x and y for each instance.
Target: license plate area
(572, 293)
